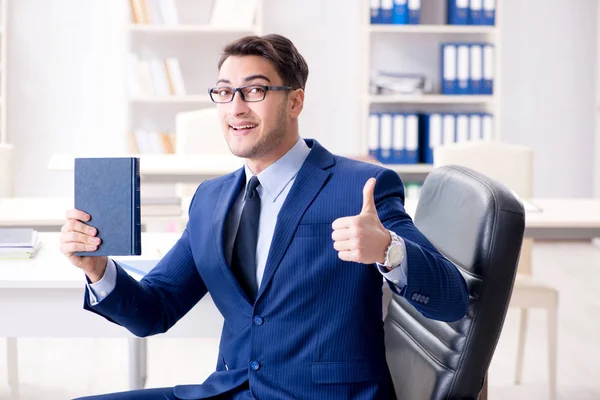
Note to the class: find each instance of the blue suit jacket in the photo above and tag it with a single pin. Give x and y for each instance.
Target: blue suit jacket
(315, 330)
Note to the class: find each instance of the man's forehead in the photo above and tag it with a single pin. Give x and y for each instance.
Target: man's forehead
(243, 67)
(246, 75)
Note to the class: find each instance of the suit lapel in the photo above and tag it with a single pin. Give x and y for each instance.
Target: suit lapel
(229, 192)
(307, 185)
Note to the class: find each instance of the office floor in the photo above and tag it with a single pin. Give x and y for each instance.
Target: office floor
(62, 369)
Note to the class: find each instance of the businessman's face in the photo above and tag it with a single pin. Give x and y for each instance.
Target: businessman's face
(255, 129)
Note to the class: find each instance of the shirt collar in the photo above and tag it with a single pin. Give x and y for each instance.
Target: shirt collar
(277, 175)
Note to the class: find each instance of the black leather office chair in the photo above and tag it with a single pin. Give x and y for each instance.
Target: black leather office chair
(478, 224)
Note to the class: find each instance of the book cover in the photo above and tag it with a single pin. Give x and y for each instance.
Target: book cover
(108, 189)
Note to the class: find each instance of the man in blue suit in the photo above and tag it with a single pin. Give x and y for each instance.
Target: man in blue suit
(292, 248)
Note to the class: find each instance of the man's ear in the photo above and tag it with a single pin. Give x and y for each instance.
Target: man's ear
(296, 103)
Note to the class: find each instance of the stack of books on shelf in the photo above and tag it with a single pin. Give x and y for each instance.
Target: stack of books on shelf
(398, 12)
(471, 12)
(154, 77)
(389, 83)
(410, 138)
(458, 12)
(467, 68)
(18, 243)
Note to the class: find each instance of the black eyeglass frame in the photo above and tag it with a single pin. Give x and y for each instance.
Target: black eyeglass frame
(239, 89)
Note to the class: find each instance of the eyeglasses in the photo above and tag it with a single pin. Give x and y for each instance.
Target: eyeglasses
(250, 93)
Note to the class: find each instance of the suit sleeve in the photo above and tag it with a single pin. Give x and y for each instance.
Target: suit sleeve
(155, 303)
(434, 285)
(104, 286)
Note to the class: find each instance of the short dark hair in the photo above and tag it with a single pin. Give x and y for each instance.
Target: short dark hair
(279, 50)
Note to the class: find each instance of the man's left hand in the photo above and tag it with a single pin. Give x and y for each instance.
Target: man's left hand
(362, 238)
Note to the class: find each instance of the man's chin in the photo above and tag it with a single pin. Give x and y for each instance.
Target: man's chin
(243, 151)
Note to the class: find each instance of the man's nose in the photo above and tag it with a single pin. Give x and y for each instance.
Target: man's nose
(239, 106)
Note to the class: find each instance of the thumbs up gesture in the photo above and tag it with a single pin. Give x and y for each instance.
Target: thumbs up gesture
(362, 238)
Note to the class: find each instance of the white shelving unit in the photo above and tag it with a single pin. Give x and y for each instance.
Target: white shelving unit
(3, 53)
(195, 43)
(433, 28)
(190, 37)
(417, 49)
(430, 99)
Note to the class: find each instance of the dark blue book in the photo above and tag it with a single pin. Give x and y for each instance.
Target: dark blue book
(108, 189)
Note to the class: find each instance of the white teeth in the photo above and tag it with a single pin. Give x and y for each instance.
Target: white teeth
(243, 127)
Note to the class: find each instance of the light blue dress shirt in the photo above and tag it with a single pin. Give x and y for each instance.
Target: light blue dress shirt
(275, 184)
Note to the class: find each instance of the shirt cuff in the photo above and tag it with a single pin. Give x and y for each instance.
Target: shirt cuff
(99, 290)
(397, 276)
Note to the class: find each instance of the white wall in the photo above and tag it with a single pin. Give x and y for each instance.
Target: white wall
(548, 92)
(65, 82)
(331, 47)
(65, 91)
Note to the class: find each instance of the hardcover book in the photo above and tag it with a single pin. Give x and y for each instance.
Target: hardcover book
(108, 189)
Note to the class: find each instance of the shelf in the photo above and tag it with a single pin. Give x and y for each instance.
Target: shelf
(462, 29)
(148, 28)
(191, 99)
(431, 99)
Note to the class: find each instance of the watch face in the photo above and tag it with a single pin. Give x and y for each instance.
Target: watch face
(395, 255)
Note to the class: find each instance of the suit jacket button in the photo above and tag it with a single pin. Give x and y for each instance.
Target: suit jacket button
(258, 320)
(426, 300)
(414, 296)
(255, 365)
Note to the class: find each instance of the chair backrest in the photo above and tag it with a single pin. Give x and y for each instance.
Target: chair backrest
(198, 132)
(478, 224)
(509, 164)
(6, 170)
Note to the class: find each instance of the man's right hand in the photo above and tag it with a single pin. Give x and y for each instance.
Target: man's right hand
(78, 236)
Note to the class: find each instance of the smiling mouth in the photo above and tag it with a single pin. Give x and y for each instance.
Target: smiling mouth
(242, 130)
(243, 127)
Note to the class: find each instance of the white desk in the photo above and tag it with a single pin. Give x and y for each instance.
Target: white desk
(564, 219)
(556, 219)
(48, 213)
(43, 297)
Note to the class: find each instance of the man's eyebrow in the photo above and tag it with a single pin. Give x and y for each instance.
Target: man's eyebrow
(253, 77)
(248, 79)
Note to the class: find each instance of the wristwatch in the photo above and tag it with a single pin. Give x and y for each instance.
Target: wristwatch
(394, 255)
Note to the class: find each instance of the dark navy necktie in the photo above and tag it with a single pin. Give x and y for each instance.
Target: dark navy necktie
(243, 261)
